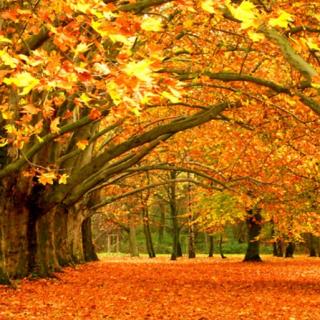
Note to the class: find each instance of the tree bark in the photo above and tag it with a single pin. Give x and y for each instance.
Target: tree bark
(87, 242)
(133, 246)
(147, 233)
(290, 250)
(162, 223)
(13, 232)
(173, 213)
(254, 220)
(220, 247)
(211, 246)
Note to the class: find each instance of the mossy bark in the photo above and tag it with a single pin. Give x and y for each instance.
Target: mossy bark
(87, 242)
(13, 230)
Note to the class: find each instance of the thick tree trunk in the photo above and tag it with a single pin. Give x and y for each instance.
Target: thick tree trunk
(87, 242)
(312, 245)
(254, 220)
(45, 260)
(13, 232)
(147, 233)
(290, 250)
(211, 246)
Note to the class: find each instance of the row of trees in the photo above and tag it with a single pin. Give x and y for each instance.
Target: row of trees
(90, 89)
(180, 211)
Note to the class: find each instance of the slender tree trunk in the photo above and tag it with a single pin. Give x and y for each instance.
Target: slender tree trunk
(173, 212)
(162, 223)
(211, 246)
(254, 220)
(191, 236)
(87, 242)
(147, 233)
(220, 247)
(133, 246)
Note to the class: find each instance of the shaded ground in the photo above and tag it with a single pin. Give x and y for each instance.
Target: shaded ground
(200, 289)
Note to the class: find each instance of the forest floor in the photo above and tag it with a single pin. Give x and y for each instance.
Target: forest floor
(199, 289)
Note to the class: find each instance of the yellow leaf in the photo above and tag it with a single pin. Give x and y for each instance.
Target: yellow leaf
(282, 21)
(151, 24)
(207, 5)
(10, 128)
(312, 45)
(172, 98)
(246, 13)
(85, 99)
(8, 60)
(82, 144)
(315, 85)
(140, 69)
(113, 91)
(256, 37)
(3, 142)
(23, 80)
(96, 25)
(4, 39)
(63, 178)
(7, 115)
(121, 38)
(82, 47)
(54, 125)
(47, 178)
(82, 7)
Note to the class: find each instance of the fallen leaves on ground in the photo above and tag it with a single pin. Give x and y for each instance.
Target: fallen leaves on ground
(200, 289)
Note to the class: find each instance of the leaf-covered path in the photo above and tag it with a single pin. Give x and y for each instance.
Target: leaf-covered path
(159, 289)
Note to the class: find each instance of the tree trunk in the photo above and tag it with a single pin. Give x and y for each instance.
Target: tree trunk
(133, 246)
(220, 247)
(45, 261)
(147, 233)
(13, 234)
(173, 213)
(162, 223)
(311, 242)
(254, 220)
(290, 250)
(87, 243)
(211, 246)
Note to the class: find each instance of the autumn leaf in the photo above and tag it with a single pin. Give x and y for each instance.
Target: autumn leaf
(94, 114)
(245, 12)
(3, 39)
(208, 5)
(282, 21)
(82, 144)
(54, 125)
(151, 24)
(140, 69)
(23, 80)
(81, 48)
(63, 178)
(47, 178)
(8, 60)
